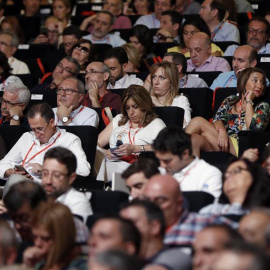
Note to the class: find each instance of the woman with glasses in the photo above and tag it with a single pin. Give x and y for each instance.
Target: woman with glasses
(82, 52)
(129, 134)
(245, 111)
(54, 235)
(245, 185)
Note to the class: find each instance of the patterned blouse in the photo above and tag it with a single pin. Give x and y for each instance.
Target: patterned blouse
(230, 120)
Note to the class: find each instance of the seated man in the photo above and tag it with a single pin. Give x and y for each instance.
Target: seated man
(201, 58)
(69, 111)
(9, 44)
(28, 153)
(13, 103)
(174, 151)
(96, 83)
(102, 26)
(244, 56)
(116, 59)
(57, 175)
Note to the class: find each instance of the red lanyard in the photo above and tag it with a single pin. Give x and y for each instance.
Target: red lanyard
(1, 120)
(229, 82)
(187, 173)
(132, 140)
(40, 150)
(214, 33)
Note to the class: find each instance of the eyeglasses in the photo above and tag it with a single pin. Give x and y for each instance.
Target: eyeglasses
(92, 71)
(67, 69)
(256, 31)
(67, 91)
(54, 32)
(235, 171)
(40, 130)
(8, 103)
(5, 44)
(54, 175)
(82, 49)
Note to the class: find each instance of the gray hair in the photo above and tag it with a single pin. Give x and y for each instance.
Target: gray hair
(113, 19)
(80, 84)
(14, 38)
(21, 90)
(74, 61)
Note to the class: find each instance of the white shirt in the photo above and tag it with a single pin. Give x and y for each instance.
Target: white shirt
(18, 67)
(149, 20)
(112, 39)
(77, 202)
(200, 176)
(61, 138)
(83, 116)
(125, 82)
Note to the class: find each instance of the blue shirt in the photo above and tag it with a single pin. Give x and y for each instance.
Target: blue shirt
(226, 31)
(231, 49)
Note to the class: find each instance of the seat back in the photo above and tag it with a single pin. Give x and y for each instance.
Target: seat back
(162, 47)
(29, 80)
(207, 76)
(171, 116)
(223, 45)
(98, 51)
(118, 183)
(49, 96)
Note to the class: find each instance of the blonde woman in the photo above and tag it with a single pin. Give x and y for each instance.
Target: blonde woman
(133, 58)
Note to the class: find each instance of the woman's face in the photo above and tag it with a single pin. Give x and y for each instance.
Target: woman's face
(137, 45)
(255, 83)
(7, 27)
(60, 10)
(237, 179)
(81, 53)
(161, 84)
(42, 239)
(188, 31)
(141, 7)
(135, 114)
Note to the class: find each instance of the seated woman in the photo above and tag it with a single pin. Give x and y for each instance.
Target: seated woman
(165, 89)
(246, 185)
(54, 234)
(189, 28)
(138, 7)
(247, 111)
(130, 132)
(81, 51)
(133, 58)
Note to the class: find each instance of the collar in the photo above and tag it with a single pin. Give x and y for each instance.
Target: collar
(120, 82)
(100, 40)
(73, 113)
(186, 169)
(37, 142)
(208, 60)
(183, 81)
(263, 50)
(180, 220)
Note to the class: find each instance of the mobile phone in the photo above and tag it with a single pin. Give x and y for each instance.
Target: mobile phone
(43, 31)
(118, 143)
(21, 168)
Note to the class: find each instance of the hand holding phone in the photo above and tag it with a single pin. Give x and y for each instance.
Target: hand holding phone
(19, 168)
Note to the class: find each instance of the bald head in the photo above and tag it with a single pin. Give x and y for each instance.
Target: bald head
(200, 48)
(164, 190)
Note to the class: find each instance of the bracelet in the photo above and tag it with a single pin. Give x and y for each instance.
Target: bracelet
(249, 101)
(142, 148)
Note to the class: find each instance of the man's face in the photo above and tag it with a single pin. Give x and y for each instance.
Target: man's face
(199, 51)
(9, 100)
(160, 6)
(102, 25)
(206, 246)
(43, 131)
(241, 59)
(256, 35)
(117, 70)
(95, 74)
(21, 219)
(5, 45)
(105, 235)
(31, 6)
(69, 41)
(55, 178)
(171, 163)
(135, 184)
(64, 70)
(206, 12)
(166, 23)
(53, 31)
(69, 98)
(113, 6)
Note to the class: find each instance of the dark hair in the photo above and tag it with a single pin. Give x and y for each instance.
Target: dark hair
(231, 7)
(196, 22)
(72, 30)
(152, 212)
(142, 99)
(174, 140)
(63, 156)
(144, 36)
(218, 4)
(147, 166)
(127, 229)
(5, 66)
(119, 53)
(178, 59)
(44, 109)
(22, 192)
(175, 18)
(253, 55)
(73, 61)
(262, 20)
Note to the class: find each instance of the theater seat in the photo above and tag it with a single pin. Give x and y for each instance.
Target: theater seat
(171, 116)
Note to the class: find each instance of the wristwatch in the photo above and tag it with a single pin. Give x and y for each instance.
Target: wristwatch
(142, 148)
(249, 101)
(15, 117)
(65, 119)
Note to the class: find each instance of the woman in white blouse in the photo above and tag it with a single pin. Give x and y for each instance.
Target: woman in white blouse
(165, 88)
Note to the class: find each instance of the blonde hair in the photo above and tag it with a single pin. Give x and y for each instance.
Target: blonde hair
(171, 72)
(133, 55)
